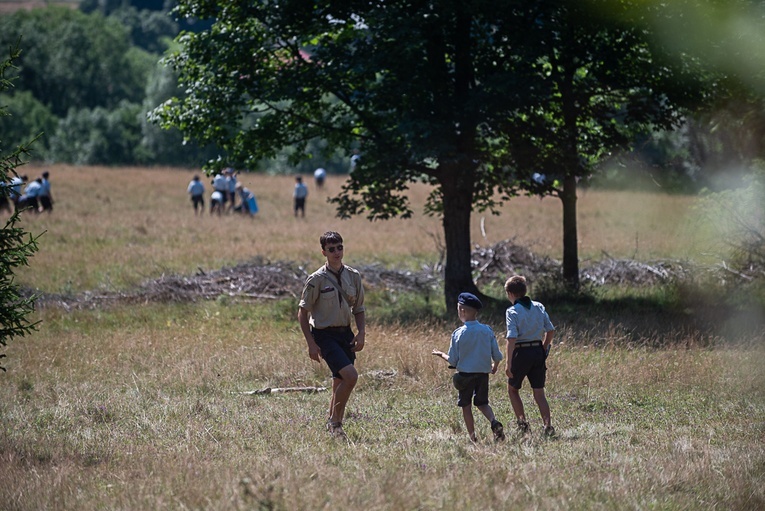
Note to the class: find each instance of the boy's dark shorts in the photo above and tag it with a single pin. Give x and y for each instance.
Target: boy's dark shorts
(198, 200)
(300, 204)
(45, 202)
(335, 347)
(528, 362)
(473, 386)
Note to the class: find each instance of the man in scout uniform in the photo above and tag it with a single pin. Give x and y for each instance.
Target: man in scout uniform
(332, 297)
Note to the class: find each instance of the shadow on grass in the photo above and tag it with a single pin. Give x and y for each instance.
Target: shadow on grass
(662, 316)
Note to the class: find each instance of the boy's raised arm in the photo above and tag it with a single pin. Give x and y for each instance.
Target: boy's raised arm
(440, 354)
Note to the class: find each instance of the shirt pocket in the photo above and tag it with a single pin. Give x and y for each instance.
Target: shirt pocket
(327, 295)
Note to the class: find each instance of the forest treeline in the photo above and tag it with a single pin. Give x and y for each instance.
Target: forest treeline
(88, 76)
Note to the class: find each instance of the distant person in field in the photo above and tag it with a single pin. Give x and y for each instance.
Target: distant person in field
(196, 191)
(46, 197)
(29, 200)
(220, 184)
(475, 354)
(319, 175)
(247, 203)
(15, 189)
(333, 298)
(529, 336)
(355, 159)
(232, 182)
(216, 203)
(299, 194)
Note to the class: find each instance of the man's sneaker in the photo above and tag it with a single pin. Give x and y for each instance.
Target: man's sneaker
(498, 430)
(523, 427)
(549, 431)
(336, 430)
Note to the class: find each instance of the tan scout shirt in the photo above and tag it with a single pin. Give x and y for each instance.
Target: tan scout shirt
(326, 305)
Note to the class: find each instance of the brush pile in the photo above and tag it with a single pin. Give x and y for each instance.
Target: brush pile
(266, 280)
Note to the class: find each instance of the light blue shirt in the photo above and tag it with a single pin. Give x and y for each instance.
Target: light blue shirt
(301, 191)
(196, 187)
(220, 183)
(473, 348)
(33, 189)
(527, 324)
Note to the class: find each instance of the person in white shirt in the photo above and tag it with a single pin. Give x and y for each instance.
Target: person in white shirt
(216, 202)
(220, 184)
(299, 194)
(31, 192)
(14, 190)
(319, 175)
(196, 190)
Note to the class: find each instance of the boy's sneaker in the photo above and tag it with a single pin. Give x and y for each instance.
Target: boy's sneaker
(498, 430)
(523, 427)
(549, 431)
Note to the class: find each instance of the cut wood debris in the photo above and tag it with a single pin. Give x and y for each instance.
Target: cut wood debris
(282, 390)
(260, 279)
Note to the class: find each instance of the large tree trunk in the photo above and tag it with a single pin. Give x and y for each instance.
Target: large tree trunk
(458, 203)
(568, 195)
(570, 237)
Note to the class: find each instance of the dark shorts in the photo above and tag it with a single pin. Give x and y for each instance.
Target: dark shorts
(335, 346)
(300, 204)
(198, 200)
(473, 386)
(45, 202)
(224, 193)
(528, 362)
(29, 202)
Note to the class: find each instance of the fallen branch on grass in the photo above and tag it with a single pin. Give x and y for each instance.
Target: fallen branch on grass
(283, 390)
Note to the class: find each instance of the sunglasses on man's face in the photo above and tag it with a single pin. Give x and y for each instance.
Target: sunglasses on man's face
(331, 250)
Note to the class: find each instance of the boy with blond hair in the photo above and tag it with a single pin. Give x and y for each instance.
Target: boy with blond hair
(474, 352)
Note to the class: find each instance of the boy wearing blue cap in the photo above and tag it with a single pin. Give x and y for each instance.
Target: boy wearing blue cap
(474, 352)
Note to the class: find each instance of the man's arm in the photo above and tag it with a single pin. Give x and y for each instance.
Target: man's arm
(305, 326)
(358, 341)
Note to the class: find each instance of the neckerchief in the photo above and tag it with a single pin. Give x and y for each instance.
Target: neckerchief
(525, 301)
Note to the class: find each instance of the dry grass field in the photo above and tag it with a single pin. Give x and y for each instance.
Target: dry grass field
(142, 406)
(115, 227)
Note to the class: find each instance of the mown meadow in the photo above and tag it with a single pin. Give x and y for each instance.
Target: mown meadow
(146, 406)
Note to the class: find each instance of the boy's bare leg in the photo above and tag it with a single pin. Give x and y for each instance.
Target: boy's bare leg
(467, 414)
(517, 403)
(335, 383)
(487, 412)
(544, 407)
(342, 392)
